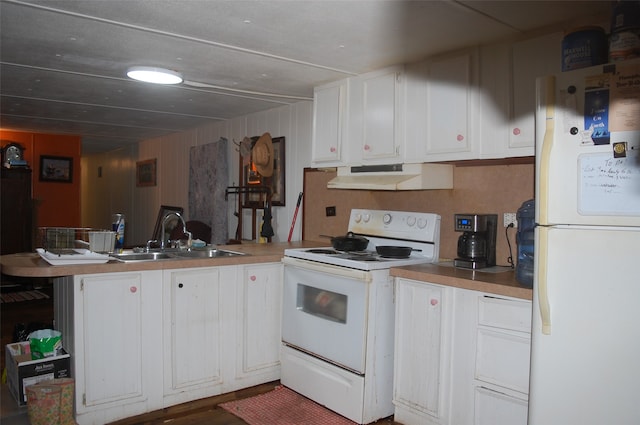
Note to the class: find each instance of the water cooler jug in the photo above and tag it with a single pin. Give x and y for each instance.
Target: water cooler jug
(525, 240)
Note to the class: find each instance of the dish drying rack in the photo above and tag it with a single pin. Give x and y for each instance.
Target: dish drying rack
(62, 240)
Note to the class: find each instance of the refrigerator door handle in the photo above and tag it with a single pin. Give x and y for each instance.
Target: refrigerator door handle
(549, 84)
(543, 294)
(548, 87)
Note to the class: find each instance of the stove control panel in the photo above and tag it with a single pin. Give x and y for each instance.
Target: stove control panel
(422, 227)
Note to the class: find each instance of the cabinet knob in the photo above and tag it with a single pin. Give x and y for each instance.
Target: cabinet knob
(516, 131)
(180, 285)
(332, 149)
(460, 137)
(367, 147)
(252, 278)
(133, 289)
(434, 301)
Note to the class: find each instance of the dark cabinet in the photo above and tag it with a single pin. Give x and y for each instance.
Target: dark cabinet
(16, 220)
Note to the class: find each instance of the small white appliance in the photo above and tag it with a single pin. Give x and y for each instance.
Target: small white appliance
(585, 332)
(338, 314)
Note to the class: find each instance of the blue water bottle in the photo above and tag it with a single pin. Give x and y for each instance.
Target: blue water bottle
(525, 240)
(118, 227)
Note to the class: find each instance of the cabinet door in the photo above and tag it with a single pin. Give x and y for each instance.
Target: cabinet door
(192, 326)
(375, 113)
(329, 123)
(450, 108)
(111, 320)
(259, 304)
(421, 379)
(531, 59)
(440, 108)
(15, 218)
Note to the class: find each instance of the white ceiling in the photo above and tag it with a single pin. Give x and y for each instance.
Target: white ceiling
(63, 62)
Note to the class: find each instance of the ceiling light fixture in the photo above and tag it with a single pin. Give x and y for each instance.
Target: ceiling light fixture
(153, 75)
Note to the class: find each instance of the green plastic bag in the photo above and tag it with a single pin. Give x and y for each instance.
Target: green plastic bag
(45, 343)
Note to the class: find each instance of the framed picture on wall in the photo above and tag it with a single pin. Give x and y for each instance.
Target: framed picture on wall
(56, 169)
(146, 173)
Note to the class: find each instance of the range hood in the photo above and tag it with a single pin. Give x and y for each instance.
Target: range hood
(394, 177)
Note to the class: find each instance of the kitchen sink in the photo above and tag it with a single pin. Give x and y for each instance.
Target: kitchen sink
(207, 253)
(142, 256)
(175, 254)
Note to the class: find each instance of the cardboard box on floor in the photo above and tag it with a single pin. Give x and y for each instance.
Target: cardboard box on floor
(22, 371)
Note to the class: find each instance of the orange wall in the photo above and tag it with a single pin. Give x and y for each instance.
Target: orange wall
(56, 203)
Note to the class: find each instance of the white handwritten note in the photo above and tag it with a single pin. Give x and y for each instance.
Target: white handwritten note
(608, 185)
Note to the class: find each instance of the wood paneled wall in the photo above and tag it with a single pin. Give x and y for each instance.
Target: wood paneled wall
(116, 190)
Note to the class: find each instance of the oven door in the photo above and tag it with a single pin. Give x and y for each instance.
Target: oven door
(324, 311)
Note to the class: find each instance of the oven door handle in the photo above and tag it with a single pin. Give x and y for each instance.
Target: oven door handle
(361, 275)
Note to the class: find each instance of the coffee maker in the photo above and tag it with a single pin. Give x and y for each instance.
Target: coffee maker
(477, 244)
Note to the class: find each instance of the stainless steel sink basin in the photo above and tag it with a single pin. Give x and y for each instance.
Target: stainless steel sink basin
(142, 256)
(207, 253)
(175, 254)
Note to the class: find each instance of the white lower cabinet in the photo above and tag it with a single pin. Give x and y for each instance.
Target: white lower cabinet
(462, 357)
(109, 324)
(422, 353)
(257, 323)
(142, 341)
(193, 320)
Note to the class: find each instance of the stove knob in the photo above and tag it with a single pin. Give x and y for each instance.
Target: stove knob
(386, 219)
(422, 223)
(367, 217)
(358, 217)
(411, 221)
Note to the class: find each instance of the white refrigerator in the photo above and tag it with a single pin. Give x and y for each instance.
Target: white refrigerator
(585, 351)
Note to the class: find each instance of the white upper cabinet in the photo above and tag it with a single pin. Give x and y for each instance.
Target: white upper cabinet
(477, 103)
(508, 92)
(441, 99)
(330, 105)
(375, 113)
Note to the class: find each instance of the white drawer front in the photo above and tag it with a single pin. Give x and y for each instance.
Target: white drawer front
(494, 408)
(505, 314)
(502, 358)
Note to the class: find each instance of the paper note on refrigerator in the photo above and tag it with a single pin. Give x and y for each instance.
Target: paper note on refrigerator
(608, 185)
(624, 114)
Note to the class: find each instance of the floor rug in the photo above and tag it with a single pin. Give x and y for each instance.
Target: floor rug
(283, 407)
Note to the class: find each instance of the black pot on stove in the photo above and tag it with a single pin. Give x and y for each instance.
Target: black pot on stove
(350, 242)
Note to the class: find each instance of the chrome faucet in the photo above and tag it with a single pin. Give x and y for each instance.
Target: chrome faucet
(184, 229)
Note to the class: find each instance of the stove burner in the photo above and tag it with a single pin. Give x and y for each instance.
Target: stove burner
(360, 257)
(323, 251)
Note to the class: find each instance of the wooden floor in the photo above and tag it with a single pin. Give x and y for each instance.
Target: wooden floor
(207, 412)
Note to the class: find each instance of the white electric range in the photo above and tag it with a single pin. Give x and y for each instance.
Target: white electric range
(419, 231)
(338, 313)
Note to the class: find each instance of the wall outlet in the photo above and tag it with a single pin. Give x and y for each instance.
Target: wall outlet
(331, 211)
(510, 218)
